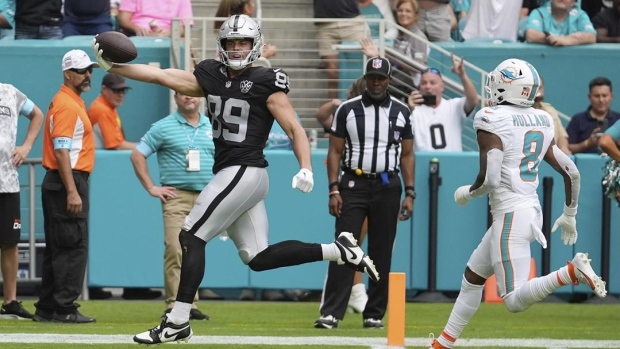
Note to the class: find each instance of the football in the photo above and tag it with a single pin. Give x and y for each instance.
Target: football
(116, 47)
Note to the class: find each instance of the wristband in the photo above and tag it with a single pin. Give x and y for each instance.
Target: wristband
(570, 211)
(332, 184)
(332, 193)
(409, 187)
(411, 195)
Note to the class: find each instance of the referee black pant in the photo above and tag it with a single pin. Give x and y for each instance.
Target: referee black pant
(363, 197)
(66, 245)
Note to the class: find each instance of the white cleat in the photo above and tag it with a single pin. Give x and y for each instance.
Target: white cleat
(165, 332)
(586, 275)
(353, 256)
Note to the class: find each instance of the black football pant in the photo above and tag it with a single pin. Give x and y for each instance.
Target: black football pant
(363, 198)
(66, 245)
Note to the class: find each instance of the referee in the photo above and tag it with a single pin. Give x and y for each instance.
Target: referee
(370, 137)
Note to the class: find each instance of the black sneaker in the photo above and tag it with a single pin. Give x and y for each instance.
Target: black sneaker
(194, 314)
(326, 321)
(373, 323)
(165, 332)
(353, 256)
(14, 310)
(42, 316)
(73, 318)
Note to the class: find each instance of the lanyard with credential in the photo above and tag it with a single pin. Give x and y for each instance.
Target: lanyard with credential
(193, 155)
(191, 139)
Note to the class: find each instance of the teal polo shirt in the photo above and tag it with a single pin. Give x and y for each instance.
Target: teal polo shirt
(170, 138)
(577, 21)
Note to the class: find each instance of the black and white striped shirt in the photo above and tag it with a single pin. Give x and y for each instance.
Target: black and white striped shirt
(373, 132)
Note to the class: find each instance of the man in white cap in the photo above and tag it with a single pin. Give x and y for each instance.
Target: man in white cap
(69, 158)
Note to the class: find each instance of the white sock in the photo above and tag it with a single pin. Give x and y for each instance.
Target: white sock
(331, 252)
(180, 313)
(465, 307)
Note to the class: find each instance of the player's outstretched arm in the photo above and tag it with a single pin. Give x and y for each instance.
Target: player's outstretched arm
(282, 110)
(175, 79)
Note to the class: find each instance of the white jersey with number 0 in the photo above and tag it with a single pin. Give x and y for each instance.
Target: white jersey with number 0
(526, 134)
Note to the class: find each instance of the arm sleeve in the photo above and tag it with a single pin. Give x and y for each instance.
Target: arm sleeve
(63, 123)
(339, 124)
(535, 21)
(151, 142)
(584, 24)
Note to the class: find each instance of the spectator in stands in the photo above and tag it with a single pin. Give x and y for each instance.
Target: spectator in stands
(607, 24)
(492, 20)
(378, 9)
(560, 137)
(228, 8)
(104, 116)
(69, 158)
(584, 129)
(13, 103)
(405, 76)
(184, 146)
(86, 17)
(7, 18)
(460, 9)
(331, 33)
(436, 17)
(527, 6)
(559, 23)
(38, 19)
(437, 122)
(152, 17)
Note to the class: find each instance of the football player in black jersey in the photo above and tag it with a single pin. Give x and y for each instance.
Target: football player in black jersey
(242, 104)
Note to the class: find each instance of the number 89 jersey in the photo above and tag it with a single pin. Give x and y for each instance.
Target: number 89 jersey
(526, 134)
(237, 108)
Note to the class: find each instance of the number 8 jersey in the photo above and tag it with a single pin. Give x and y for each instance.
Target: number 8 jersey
(526, 134)
(237, 108)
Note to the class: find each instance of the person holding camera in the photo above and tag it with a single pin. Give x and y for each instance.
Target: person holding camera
(585, 128)
(438, 123)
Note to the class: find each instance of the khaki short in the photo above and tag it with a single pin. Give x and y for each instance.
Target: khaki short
(328, 34)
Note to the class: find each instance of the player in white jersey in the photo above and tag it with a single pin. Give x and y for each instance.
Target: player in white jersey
(513, 139)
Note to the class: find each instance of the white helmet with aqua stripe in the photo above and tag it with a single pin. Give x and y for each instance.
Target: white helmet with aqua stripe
(514, 81)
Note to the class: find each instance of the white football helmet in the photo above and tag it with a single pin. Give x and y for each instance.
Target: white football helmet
(514, 81)
(240, 27)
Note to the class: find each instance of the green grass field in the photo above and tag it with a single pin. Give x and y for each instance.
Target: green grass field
(289, 325)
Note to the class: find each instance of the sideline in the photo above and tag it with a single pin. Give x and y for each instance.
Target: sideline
(371, 342)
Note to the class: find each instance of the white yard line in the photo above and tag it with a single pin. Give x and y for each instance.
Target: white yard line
(371, 342)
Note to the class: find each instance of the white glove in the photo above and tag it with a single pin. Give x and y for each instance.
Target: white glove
(103, 63)
(569, 228)
(462, 195)
(538, 235)
(303, 180)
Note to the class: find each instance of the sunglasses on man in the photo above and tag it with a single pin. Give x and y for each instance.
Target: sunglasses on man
(83, 70)
(431, 70)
